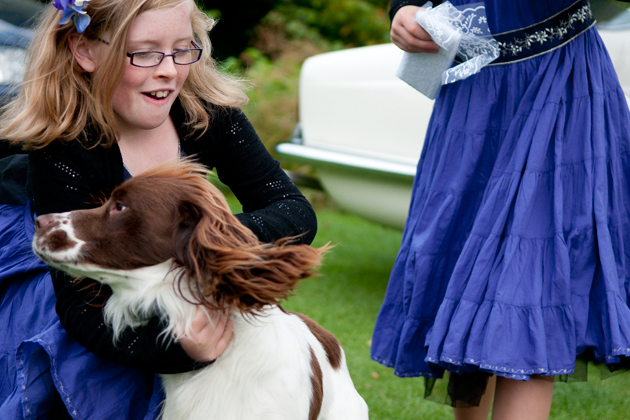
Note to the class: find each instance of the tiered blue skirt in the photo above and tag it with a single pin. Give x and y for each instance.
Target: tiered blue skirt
(39, 363)
(515, 256)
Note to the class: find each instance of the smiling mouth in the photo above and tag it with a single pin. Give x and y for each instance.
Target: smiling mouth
(160, 94)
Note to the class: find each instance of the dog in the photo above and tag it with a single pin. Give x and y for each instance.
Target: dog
(166, 242)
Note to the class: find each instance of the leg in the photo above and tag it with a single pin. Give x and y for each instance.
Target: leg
(523, 400)
(481, 412)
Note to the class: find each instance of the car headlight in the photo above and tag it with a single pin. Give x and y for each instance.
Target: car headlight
(12, 64)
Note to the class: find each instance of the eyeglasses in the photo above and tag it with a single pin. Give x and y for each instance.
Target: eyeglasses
(147, 59)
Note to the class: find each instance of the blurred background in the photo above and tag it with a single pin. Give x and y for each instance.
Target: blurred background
(266, 42)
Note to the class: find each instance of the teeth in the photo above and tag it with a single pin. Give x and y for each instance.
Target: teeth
(159, 94)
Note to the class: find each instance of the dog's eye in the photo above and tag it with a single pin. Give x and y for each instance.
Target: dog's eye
(118, 207)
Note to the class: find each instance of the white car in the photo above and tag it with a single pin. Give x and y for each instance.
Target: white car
(362, 129)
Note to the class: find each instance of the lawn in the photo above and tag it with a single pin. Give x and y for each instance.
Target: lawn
(346, 298)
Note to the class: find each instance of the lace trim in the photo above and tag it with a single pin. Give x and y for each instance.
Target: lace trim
(521, 374)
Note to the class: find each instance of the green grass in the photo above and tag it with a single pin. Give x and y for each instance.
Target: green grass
(346, 299)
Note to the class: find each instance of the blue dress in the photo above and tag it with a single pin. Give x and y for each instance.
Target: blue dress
(39, 364)
(515, 258)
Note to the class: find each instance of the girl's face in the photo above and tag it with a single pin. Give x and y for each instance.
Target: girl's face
(143, 99)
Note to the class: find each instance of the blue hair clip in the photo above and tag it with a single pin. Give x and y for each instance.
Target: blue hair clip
(75, 10)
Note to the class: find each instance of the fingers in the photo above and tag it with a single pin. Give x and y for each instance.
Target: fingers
(223, 340)
(408, 35)
(219, 336)
(208, 336)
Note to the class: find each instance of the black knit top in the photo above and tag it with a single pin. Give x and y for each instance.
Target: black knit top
(64, 177)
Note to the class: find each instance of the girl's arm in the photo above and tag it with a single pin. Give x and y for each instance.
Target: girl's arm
(405, 32)
(273, 207)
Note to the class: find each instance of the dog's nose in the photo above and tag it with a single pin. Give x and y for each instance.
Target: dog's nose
(45, 221)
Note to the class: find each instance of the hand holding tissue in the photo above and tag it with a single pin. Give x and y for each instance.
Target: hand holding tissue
(459, 31)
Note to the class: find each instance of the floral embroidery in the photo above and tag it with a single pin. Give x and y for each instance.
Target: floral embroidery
(517, 45)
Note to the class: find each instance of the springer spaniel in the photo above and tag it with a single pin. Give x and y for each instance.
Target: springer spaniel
(166, 242)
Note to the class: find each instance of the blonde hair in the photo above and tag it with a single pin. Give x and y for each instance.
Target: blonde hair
(58, 99)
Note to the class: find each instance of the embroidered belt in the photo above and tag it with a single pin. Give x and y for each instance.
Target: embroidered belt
(543, 37)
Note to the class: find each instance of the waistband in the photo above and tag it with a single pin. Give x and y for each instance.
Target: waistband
(542, 37)
(545, 36)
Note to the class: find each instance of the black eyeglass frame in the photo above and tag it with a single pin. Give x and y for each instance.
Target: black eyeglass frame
(131, 55)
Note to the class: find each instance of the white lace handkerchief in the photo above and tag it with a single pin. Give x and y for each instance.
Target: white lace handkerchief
(459, 31)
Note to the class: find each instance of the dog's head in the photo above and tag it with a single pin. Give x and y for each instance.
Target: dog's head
(173, 213)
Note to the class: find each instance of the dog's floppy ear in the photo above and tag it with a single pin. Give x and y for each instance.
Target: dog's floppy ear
(263, 274)
(225, 263)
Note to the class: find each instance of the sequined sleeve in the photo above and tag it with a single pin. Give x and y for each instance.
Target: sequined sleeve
(273, 207)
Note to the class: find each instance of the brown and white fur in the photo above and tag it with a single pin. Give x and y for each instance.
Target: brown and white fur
(166, 242)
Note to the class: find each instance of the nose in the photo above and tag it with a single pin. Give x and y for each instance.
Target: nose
(44, 222)
(167, 68)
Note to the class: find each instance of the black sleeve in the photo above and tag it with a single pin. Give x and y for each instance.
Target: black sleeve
(273, 207)
(397, 4)
(64, 177)
(61, 179)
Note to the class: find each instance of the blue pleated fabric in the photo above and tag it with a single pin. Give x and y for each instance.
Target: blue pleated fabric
(37, 358)
(515, 256)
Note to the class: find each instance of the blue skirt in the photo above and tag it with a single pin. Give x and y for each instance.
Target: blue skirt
(39, 363)
(516, 254)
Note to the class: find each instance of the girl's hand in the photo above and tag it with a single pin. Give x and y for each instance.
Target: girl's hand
(208, 336)
(408, 35)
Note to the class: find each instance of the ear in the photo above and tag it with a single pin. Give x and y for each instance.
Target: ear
(226, 266)
(83, 51)
(270, 274)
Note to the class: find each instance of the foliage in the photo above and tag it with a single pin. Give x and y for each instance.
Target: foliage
(274, 77)
(624, 4)
(273, 104)
(279, 43)
(283, 39)
(346, 22)
(352, 22)
(236, 20)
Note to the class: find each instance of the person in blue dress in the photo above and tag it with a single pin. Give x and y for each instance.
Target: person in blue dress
(112, 89)
(514, 261)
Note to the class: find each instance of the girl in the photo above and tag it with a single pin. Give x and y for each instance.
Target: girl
(115, 87)
(514, 258)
